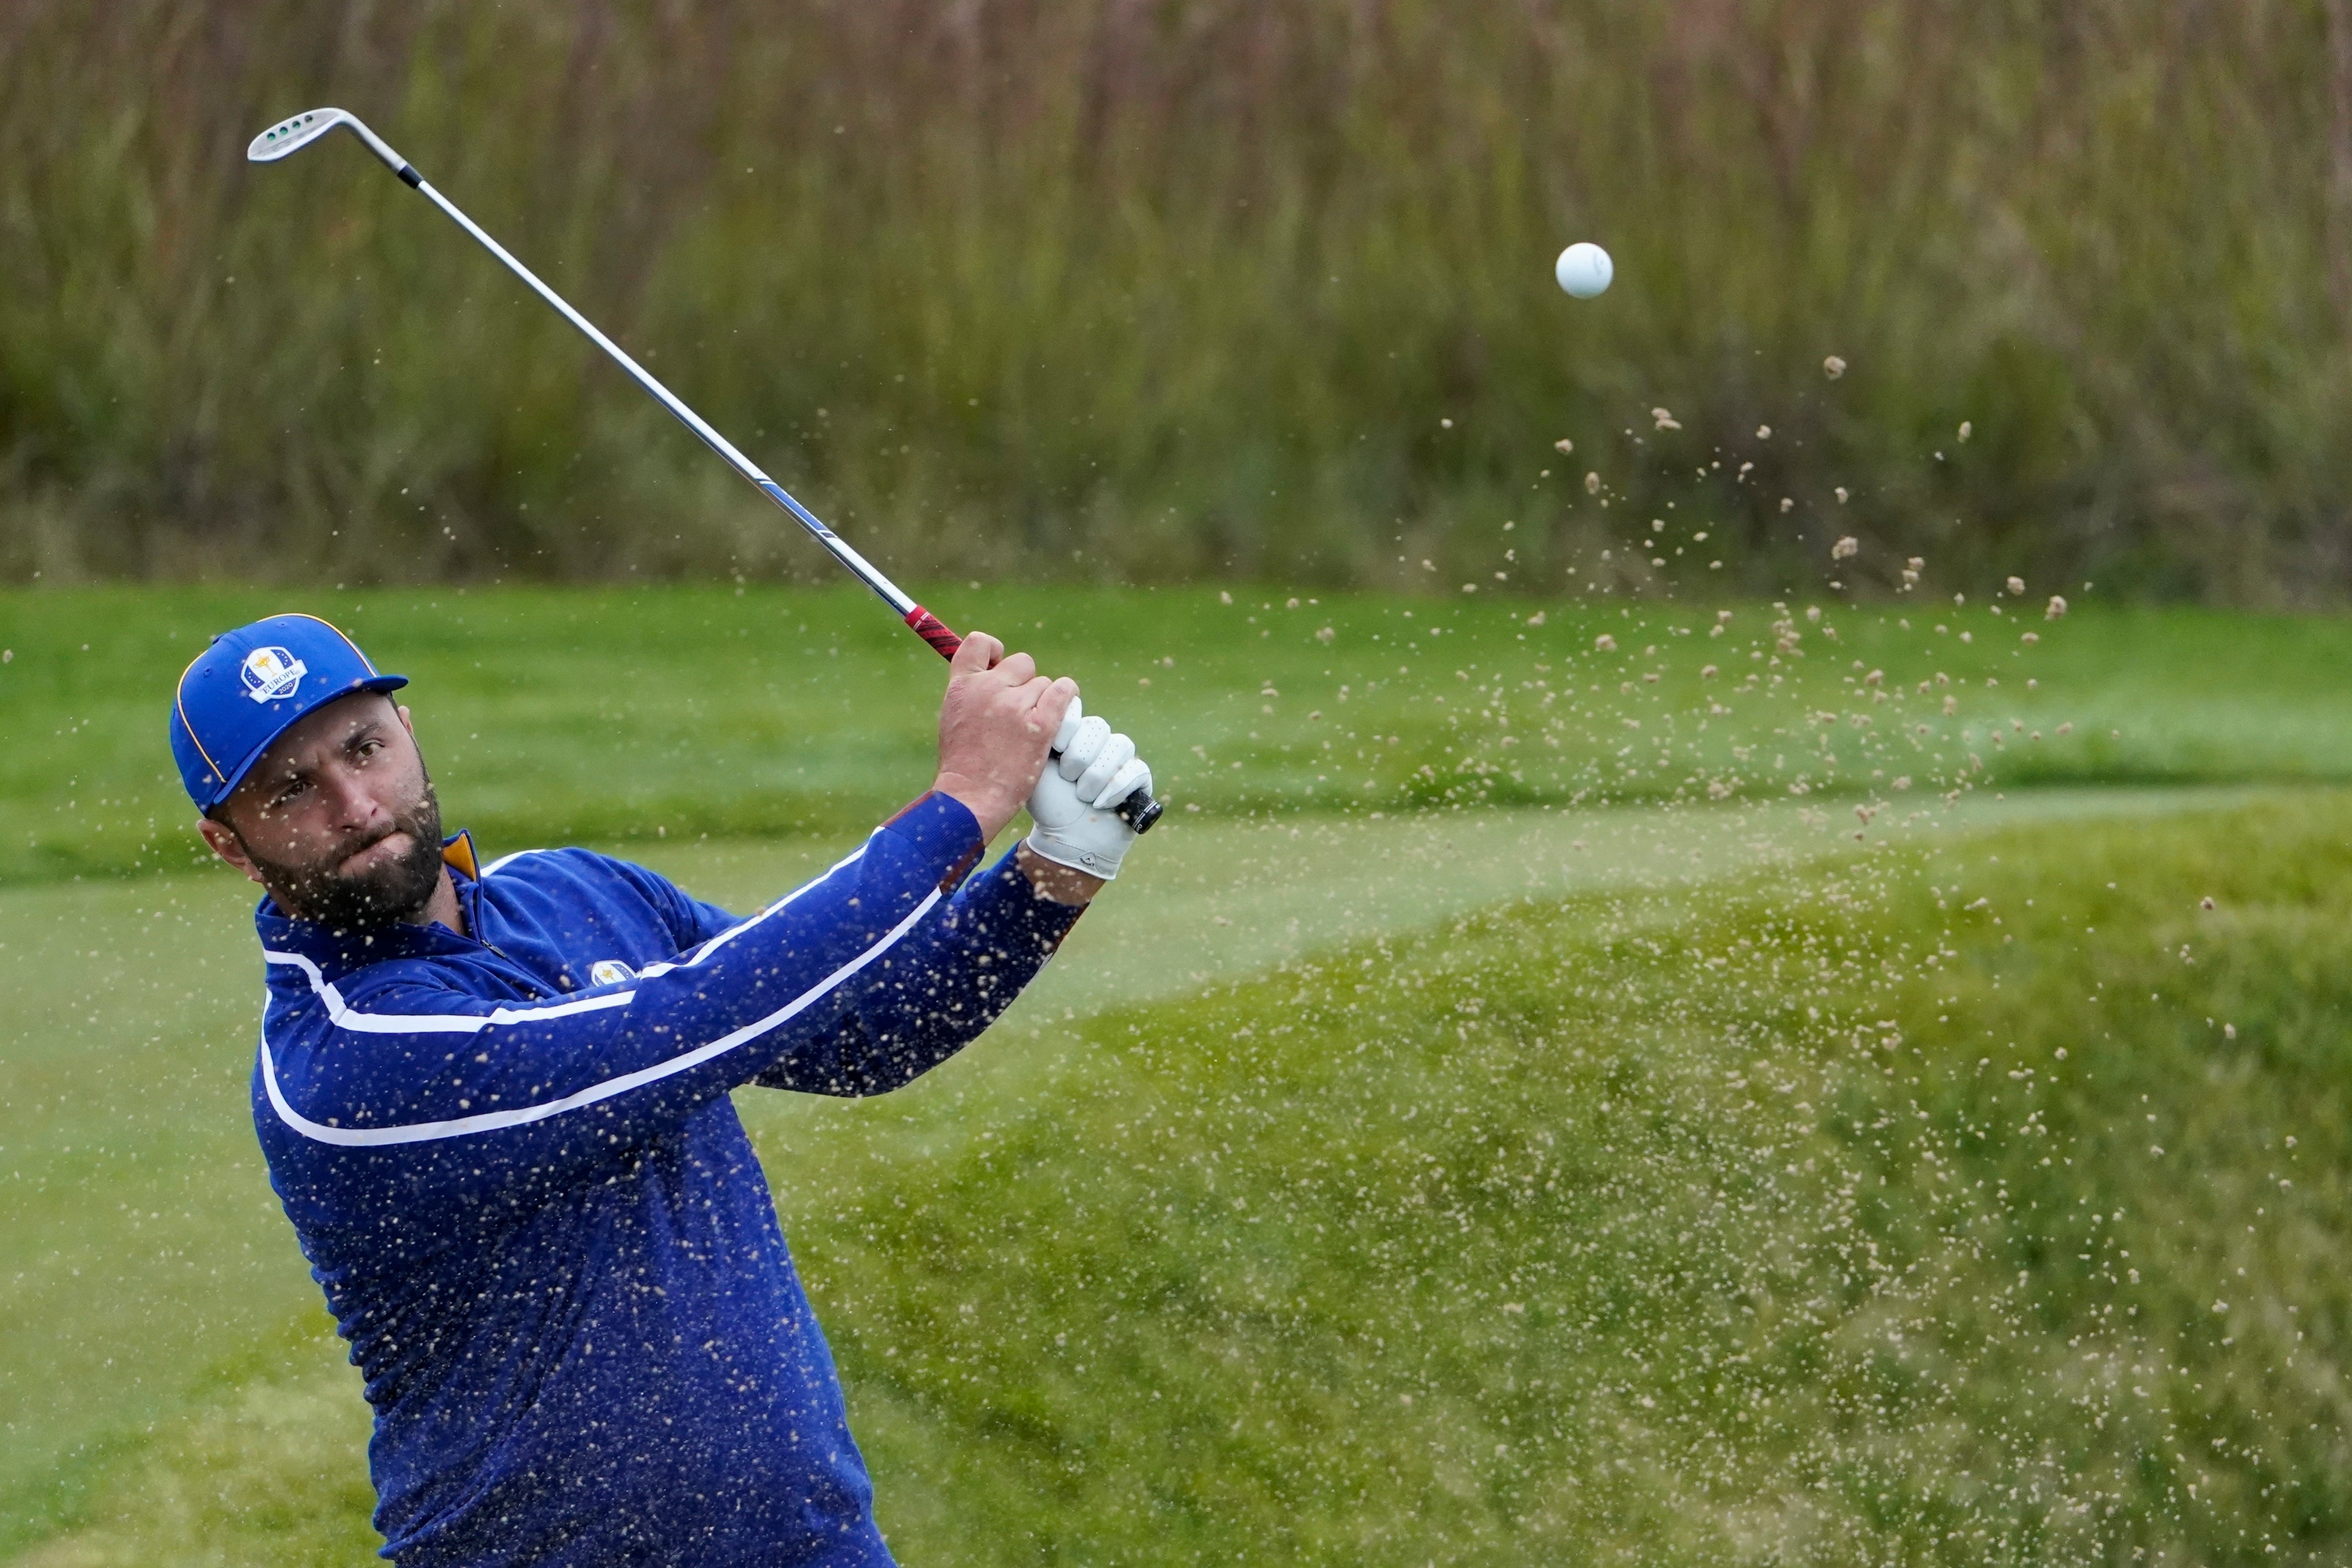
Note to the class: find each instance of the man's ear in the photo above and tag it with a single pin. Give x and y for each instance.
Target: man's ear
(405, 723)
(225, 844)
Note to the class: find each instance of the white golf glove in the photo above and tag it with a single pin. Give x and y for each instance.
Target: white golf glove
(1093, 769)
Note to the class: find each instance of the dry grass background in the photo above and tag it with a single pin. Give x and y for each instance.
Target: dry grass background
(1149, 289)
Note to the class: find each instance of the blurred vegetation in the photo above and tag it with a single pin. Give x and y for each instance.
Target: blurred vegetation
(1153, 291)
(1974, 1200)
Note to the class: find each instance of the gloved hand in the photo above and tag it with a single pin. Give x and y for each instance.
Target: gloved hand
(1091, 772)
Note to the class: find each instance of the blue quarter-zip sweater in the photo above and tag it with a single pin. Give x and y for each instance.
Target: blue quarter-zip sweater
(511, 1160)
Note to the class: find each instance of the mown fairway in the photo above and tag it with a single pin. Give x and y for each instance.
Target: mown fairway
(655, 714)
(1625, 1175)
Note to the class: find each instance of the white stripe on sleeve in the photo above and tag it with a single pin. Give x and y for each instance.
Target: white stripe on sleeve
(345, 1016)
(431, 1132)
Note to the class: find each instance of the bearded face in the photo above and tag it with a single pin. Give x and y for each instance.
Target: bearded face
(338, 819)
(351, 889)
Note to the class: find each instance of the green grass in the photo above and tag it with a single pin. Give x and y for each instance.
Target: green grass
(1812, 1216)
(141, 1236)
(142, 1240)
(631, 716)
(1823, 1222)
(169, 1393)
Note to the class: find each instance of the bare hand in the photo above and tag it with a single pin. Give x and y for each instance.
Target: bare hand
(998, 718)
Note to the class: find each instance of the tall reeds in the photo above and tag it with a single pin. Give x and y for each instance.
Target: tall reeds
(1166, 288)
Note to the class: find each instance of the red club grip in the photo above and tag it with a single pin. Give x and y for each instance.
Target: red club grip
(934, 630)
(1140, 810)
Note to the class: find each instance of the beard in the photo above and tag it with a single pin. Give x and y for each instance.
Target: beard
(390, 894)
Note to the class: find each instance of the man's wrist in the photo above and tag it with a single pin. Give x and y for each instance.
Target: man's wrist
(988, 805)
(1053, 880)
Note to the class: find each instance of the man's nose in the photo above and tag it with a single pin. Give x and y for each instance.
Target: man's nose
(351, 804)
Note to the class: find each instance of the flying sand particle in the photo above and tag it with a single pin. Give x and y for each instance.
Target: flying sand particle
(1832, 367)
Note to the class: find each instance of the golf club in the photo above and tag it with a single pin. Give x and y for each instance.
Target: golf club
(291, 135)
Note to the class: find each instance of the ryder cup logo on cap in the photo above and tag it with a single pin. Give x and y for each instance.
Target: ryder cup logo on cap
(244, 690)
(271, 673)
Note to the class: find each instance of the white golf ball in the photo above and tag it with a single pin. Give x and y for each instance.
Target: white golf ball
(1584, 269)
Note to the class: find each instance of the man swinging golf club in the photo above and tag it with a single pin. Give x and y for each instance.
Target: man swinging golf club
(494, 1100)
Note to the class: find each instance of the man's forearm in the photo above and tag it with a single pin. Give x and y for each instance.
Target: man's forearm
(939, 990)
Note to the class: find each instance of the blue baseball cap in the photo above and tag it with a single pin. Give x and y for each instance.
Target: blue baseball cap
(241, 694)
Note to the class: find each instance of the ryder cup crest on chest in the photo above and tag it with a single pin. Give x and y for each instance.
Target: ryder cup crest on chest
(271, 673)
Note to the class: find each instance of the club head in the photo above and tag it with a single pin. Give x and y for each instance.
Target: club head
(290, 135)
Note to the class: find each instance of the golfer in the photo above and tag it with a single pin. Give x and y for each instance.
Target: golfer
(494, 1100)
